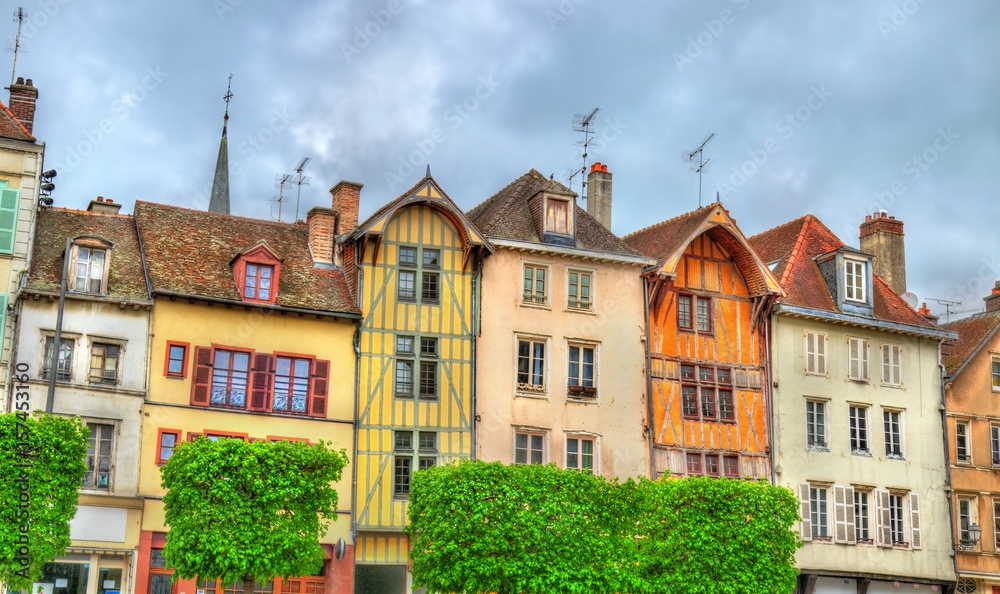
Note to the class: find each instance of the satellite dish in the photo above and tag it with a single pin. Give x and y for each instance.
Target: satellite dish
(340, 549)
(910, 298)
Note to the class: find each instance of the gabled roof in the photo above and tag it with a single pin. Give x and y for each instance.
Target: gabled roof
(974, 332)
(11, 127)
(668, 239)
(512, 214)
(126, 279)
(190, 252)
(792, 247)
(428, 192)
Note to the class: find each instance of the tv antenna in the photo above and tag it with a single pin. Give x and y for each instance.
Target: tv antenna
(947, 307)
(20, 15)
(280, 180)
(581, 123)
(700, 152)
(300, 180)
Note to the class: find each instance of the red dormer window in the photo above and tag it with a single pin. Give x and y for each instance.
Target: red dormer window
(256, 272)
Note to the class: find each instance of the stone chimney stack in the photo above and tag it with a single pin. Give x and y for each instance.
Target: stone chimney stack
(104, 206)
(993, 299)
(599, 194)
(23, 96)
(346, 200)
(322, 229)
(882, 236)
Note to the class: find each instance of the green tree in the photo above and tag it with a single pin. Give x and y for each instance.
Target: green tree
(486, 527)
(41, 468)
(248, 512)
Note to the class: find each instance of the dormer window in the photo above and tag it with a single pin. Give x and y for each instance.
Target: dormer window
(557, 216)
(256, 272)
(854, 280)
(89, 265)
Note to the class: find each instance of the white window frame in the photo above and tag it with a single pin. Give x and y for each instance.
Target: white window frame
(579, 391)
(579, 286)
(529, 388)
(995, 373)
(819, 516)
(74, 340)
(99, 340)
(530, 433)
(564, 203)
(859, 428)
(963, 442)
(113, 456)
(864, 527)
(92, 246)
(995, 447)
(891, 437)
(966, 511)
(897, 519)
(856, 270)
(546, 288)
(815, 352)
(996, 524)
(580, 438)
(858, 351)
(892, 364)
(823, 424)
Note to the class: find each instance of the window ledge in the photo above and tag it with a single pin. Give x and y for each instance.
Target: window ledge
(533, 395)
(818, 448)
(534, 305)
(570, 398)
(896, 386)
(895, 457)
(859, 380)
(863, 453)
(579, 310)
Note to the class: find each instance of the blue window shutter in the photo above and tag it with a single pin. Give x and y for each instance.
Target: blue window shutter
(3, 318)
(8, 218)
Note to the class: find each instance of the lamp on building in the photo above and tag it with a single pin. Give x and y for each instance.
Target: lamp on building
(974, 533)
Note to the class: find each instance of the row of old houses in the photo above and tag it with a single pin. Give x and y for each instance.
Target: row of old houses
(522, 330)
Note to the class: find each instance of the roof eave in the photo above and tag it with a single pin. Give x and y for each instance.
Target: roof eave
(265, 306)
(574, 252)
(986, 340)
(862, 321)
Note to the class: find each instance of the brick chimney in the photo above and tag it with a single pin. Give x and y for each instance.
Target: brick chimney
(322, 228)
(23, 96)
(346, 199)
(882, 236)
(599, 194)
(103, 205)
(993, 299)
(926, 313)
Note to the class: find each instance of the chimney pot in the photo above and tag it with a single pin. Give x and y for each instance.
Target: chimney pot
(23, 96)
(868, 218)
(102, 206)
(100, 198)
(993, 299)
(20, 80)
(599, 194)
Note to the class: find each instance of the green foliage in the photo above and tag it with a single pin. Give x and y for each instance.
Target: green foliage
(486, 527)
(248, 511)
(47, 455)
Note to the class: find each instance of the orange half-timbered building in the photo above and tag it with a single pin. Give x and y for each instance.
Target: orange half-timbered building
(709, 298)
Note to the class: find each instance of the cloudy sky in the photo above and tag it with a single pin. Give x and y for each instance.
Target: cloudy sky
(831, 108)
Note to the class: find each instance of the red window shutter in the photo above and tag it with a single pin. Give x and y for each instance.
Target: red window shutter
(263, 382)
(202, 378)
(318, 388)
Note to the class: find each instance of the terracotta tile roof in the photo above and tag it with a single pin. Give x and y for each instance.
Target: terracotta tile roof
(973, 333)
(512, 214)
(795, 244)
(11, 127)
(125, 276)
(666, 237)
(190, 251)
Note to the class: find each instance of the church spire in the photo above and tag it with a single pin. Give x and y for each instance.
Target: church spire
(219, 202)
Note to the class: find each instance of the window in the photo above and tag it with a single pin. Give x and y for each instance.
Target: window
(90, 276)
(427, 449)
(529, 448)
(704, 314)
(892, 356)
(407, 286)
(403, 450)
(694, 464)
(99, 452)
(257, 284)
(581, 373)
(404, 367)
(708, 403)
(962, 453)
(862, 517)
(534, 283)
(818, 512)
(64, 366)
(557, 216)
(408, 256)
(291, 384)
(816, 424)
(712, 464)
(407, 362)
(531, 366)
(731, 466)
(727, 412)
(996, 523)
(995, 445)
(892, 421)
(580, 453)
(964, 521)
(859, 429)
(176, 364)
(10, 199)
(580, 283)
(854, 280)
(996, 374)
(857, 359)
(431, 258)
(104, 363)
(684, 312)
(429, 292)
(166, 444)
(230, 372)
(896, 524)
(815, 353)
(712, 398)
(689, 400)
(428, 368)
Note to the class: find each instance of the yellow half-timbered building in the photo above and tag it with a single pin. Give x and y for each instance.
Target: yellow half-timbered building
(416, 270)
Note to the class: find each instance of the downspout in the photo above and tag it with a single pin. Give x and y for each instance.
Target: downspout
(947, 461)
(357, 396)
(476, 329)
(649, 379)
(769, 386)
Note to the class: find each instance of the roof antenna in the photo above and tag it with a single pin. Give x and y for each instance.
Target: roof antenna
(700, 151)
(947, 307)
(581, 123)
(280, 179)
(20, 15)
(301, 180)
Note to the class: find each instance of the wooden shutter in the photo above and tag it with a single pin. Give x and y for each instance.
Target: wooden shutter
(864, 359)
(840, 514)
(886, 363)
(804, 511)
(755, 379)
(820, 353)
(74, 256)
(8, 219)
(914, 520)
(319, 386)
(262, 383)
(201, 381)
(849, 498)
(3, 316)
(811, 338)
(740, 379)
(897, 365)
(883, 528)
(854, 358)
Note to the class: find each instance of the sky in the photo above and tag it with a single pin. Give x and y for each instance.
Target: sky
(832, 108)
